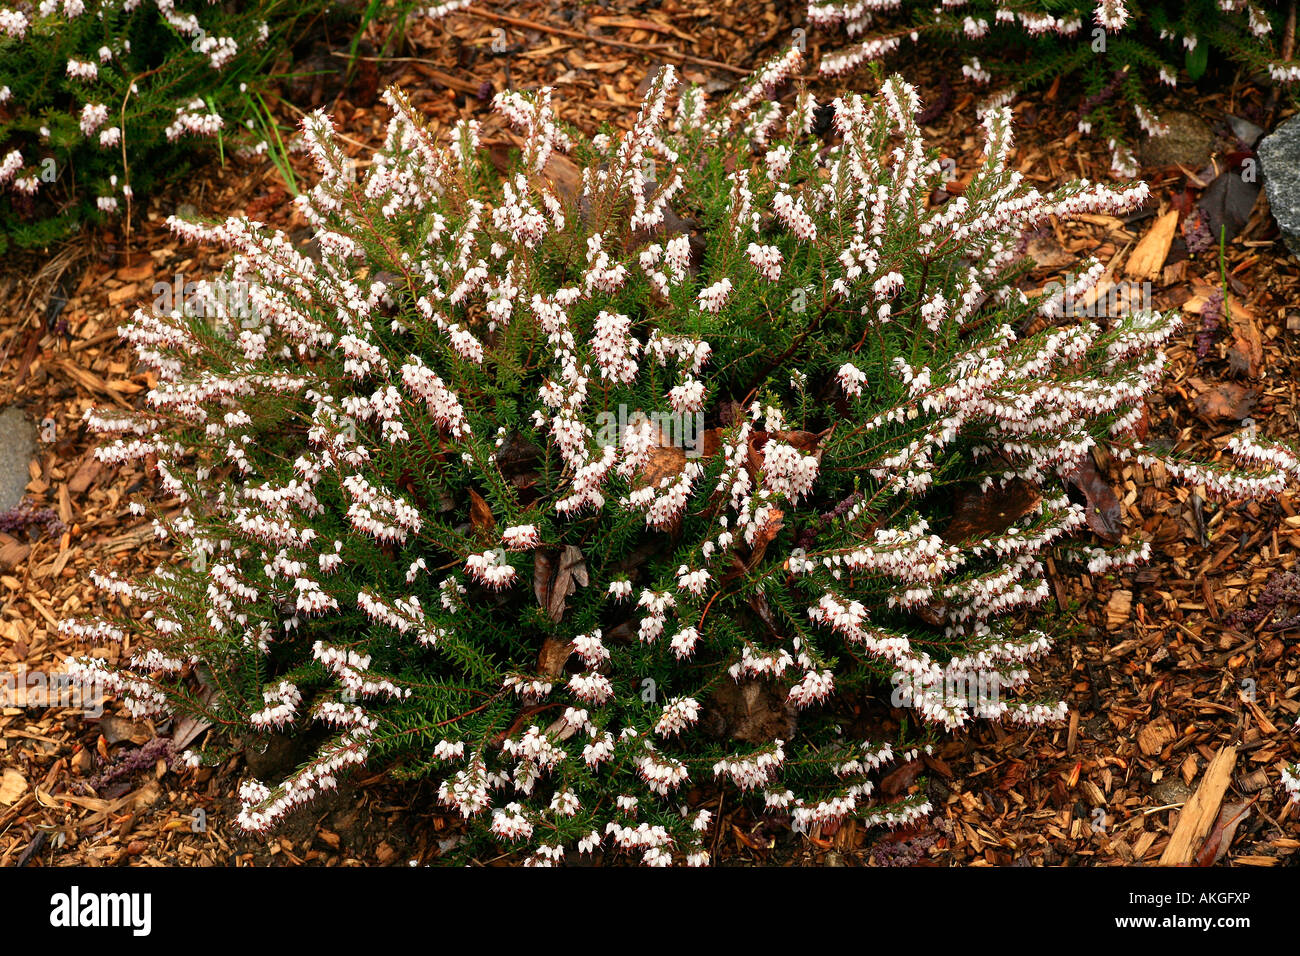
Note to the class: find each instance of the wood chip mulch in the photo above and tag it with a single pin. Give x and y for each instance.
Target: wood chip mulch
(1183, 689)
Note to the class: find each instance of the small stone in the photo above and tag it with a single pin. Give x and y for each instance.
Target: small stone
(17, 447)
(1245, 131)
(1188, 142)
(1171, 792)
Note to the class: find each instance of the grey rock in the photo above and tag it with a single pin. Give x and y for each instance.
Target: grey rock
(1189, 142)
(1245, 130)
(1279, 161)
(17, 448)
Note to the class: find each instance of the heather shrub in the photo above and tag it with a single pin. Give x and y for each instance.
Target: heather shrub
(97, 97)
(589, 501)
(101, 99)
(1112, 51)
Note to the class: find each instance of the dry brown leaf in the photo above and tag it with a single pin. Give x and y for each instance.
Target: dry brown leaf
(805, 442)
(667, 460)
(1220, 838)
(480, 514)
(565, 177)
(983, 514)
(1105, 514)
(187, 728)
(561, 729)
(751, 711)
(1226, 401)
(554, 655)
(556, 578)
(1015, 772)
(765, 535)
(118, 729)
(664, 462)
(896, 783)
(1046, 251)
(1246, 354)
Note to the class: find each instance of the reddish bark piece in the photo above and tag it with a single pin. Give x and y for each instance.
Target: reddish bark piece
(85, 475)
(1015, 772)
(1152, 738)
(1119, 609)
(12, 552)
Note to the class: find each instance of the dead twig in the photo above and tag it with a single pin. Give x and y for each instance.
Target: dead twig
(660, 49)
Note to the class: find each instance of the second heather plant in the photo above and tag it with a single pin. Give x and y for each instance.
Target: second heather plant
(1114, 53)
(102, 100)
